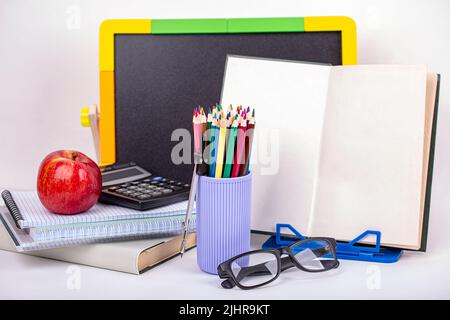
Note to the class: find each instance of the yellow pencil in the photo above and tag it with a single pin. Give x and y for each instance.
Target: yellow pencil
(221, 147)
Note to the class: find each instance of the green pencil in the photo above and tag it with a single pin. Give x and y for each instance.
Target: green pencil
(230, 149)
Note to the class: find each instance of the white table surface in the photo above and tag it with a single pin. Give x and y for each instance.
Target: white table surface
(416, 275)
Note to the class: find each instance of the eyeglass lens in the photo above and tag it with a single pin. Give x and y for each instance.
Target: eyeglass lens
(255, 268)
(314, 255)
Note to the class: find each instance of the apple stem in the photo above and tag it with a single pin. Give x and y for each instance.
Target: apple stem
(74, 155)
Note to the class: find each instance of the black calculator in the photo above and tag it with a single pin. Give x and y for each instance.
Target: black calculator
(131, 186)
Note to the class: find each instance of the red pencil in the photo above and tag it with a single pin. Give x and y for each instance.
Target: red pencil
(240, 147)
(245, 169)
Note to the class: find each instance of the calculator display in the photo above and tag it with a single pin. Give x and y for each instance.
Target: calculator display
(120, 174)
(117, 175)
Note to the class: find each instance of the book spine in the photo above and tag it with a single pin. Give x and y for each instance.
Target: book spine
(12, 207)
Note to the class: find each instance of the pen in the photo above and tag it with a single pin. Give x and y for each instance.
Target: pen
(198, 121)
(190, 206)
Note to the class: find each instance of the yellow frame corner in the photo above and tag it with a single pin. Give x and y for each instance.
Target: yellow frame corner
(345, 25)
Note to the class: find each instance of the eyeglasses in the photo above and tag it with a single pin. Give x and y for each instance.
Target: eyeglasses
(260, 267)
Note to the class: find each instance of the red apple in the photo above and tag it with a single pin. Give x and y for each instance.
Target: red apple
(69, 182)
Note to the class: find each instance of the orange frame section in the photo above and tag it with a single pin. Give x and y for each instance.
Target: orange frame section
(108, 30)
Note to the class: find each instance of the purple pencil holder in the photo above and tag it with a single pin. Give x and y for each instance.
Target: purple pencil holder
(223, 209)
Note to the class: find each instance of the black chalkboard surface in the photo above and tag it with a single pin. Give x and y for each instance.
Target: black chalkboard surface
(160, 78)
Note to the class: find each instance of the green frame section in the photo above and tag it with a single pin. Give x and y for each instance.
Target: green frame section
(170, 26)
(244, 25)
(266, 25)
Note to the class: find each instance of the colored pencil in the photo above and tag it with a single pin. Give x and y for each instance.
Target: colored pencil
(231, 143)
(224, 137)
(240, 147)
(214, 142)
(207, 137)
(221, 147)
(248, 147)
(196, 121)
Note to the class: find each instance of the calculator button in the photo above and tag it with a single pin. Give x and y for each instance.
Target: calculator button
(163, 179)
(135, 183)
(175, 188)
(179, 183)
(171, 181)
(154, 182)
(157, 178)
(143, 185)
(139, 189)
(113, 188)
(146, 180)
(144, 197)
(186, 185)
(167, 190)
(121, 190)
(156, 193)
(132, 187)
(125, 185)
(135, 194)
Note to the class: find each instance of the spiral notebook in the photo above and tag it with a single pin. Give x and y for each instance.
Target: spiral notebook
(32, 227)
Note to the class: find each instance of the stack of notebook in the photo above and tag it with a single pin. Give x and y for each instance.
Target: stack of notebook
(32, 227)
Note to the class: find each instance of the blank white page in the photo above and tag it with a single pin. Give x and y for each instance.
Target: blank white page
(289, 98)
(370, 174)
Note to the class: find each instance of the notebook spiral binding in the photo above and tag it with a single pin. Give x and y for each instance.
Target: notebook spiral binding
(12, 207)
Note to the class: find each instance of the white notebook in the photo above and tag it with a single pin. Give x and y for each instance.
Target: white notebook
(32, 227)
(339, 149)
(33, 214)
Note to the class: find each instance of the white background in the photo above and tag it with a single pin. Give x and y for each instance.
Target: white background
(49, 69)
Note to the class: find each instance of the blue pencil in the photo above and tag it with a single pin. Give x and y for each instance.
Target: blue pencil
(214, 140)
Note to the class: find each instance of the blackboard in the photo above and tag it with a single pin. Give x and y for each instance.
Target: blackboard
(160, 78)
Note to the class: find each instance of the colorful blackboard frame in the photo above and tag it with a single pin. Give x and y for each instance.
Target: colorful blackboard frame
(110, 28)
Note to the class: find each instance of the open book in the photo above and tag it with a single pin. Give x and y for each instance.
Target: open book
(339, 150)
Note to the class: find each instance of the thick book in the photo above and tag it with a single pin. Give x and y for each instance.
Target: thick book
(127, 256)
(32, 227)
(340, 149)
